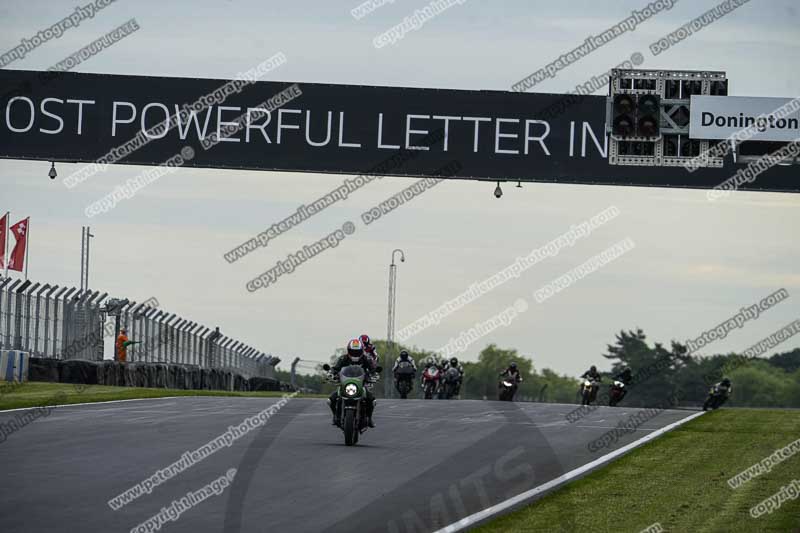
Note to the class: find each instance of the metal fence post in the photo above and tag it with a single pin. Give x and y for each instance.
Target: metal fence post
(5, 296)
(16, 342)
(28, 297)
(38, 318)
(66, 321)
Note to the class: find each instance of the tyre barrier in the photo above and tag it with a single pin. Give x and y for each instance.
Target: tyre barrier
(154, 375)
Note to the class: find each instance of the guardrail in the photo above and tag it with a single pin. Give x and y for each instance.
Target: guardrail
(68, 323)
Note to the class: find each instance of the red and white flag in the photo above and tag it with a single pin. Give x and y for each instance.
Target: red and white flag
(16, 261)
(3, 232)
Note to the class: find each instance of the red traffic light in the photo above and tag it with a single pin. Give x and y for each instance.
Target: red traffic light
(623, 103)
(623, 125)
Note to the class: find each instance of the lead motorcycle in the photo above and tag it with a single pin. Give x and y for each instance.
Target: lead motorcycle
(507, 390)
(589, 390)
(430, 381)
(404, 378)
(716, 397)
(352, 401)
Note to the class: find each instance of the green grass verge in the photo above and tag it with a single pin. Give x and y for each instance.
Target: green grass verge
(34, 393)
(679, 481)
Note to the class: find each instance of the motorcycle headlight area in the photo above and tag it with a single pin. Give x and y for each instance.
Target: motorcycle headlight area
(350, 389)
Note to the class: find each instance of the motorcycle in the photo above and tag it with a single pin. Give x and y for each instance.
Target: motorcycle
(404, 376)
(351, 403)
(616, 393)
(589, 391)
(452, 377)
(507, 390)
(430, 381)
(716, 397)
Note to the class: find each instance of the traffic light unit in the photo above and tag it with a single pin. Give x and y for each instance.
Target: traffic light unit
(648, 112)
(636, 116)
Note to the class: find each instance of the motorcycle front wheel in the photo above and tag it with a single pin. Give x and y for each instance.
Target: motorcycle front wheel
(403, 389)
(612, 399)
(350, 429)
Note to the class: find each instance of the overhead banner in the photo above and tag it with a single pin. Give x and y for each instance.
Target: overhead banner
(766, 119)
(311, 127)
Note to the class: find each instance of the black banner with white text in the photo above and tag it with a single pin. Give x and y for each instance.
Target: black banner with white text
(310, 127)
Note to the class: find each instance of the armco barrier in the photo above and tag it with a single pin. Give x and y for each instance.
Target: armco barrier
(66, 323)
(14, 365)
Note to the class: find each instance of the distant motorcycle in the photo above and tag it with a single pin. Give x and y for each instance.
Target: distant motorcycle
(404, 376)
(589, 391)
(716, 397)
(452, 377)
(507, 390)
(430, 381)
(351, 403)
(616, 393)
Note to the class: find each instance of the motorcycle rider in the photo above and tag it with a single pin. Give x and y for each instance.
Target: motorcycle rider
(369, 348)
(453, 363)
(428, 364)
(355, 356)
(513, 375)
(723, 388)
(404, 360)
(431, 365)
(624, 376)
(592, 375)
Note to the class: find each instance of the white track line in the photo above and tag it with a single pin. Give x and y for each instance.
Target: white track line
(92, 403)
(142, 399)
(489, 512)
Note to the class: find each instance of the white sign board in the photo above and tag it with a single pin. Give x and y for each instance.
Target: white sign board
(745, 118)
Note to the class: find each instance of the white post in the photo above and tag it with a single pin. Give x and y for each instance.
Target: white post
(83, 246)
(5, 252)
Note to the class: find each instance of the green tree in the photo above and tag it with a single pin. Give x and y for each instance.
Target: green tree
(761, 385)
(788, 361)
(481, 378)
(654, 369)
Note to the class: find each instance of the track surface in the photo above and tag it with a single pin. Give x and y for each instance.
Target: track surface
(426, 465)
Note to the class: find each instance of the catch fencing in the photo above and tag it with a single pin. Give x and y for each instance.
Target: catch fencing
(68, 323)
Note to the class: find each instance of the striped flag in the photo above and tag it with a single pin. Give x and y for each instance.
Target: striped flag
(16, 261)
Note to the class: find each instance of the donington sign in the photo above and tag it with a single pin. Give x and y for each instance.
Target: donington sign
(312, 127)
(768, 119)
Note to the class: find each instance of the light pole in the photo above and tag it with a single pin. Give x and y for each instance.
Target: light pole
(85, 236)
(293, 374)
(390, 326)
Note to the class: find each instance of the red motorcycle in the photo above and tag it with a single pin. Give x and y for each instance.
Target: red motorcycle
(431, 379)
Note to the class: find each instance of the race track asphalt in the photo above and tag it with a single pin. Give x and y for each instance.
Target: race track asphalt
(426, 465)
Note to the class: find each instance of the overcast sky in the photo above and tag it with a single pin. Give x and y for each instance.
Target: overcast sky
(695, 263)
